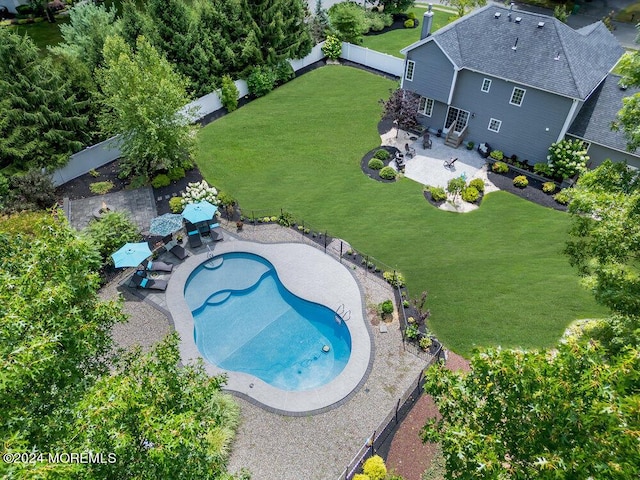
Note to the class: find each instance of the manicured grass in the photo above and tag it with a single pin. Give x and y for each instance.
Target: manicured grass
(495, 276)
(393, 41)
(43, 33)
(629, 14)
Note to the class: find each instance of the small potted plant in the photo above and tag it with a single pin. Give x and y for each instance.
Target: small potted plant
(239, 225)
(470, 145)
(179, 238)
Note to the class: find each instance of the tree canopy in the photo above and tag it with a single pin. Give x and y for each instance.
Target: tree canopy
(571, 412)
(629, 115)
(144, 97)
(462, 6)
(43, 121)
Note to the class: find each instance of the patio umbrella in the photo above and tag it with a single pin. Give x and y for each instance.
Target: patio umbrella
(165, 224)
(131, 254)
(199, 212)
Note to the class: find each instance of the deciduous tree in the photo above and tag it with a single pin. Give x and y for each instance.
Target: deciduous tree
(462, 6)
(571, 412)
(396, 6)
(145, 97)
(402, 107)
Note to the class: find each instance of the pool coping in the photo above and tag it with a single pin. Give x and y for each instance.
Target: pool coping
(302, 269)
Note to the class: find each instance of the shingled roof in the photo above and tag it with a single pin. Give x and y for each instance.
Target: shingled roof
(596, 127)
(552, 57)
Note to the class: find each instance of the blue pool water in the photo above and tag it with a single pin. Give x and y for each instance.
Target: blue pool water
(247, 321)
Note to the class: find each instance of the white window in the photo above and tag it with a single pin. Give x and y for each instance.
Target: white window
(494, 125)
(486, 85)
(426, 106)
(411, 66)
(517, 96)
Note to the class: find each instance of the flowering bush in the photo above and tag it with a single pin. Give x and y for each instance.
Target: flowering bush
(567, 158)
(199, 191)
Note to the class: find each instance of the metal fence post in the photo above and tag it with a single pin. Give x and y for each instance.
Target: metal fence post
(340, 251)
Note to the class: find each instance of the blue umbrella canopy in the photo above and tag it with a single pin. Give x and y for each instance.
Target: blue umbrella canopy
(199, 212)
(165, 224)
(131, 254)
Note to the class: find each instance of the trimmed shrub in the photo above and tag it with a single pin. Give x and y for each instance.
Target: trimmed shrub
(387, 18)
(160, 181)
(411, 15)
(412, 332)
(543, 169)
(386, 307)
(548, 187)
(497, 155)
(470, 194)
(111, 232)
(100, 188)
(500, 167)
(438, 194)
(562, 197)
(261, 80)
(332, 47)
(409, 23)
(176, 173)
(376, 164)
(396, 280)
(382, 154)
(225, 199)
(229, 94)
(175, 204)
(478, 184)
(376, 23)
(284, 72)
(388, 173)
(374, 468)
(520, 181)
(425, 343)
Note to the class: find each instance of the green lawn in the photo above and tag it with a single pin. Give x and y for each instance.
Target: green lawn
(495, 276)
(393, 41)
(43, 33)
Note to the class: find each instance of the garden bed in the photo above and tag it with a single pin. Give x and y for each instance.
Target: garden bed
(533, 192)
(375, 174)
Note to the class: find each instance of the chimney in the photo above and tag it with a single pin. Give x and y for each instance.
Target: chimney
(427, 20)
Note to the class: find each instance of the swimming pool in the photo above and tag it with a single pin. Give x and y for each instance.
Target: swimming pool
(245, 320)
(307, 273)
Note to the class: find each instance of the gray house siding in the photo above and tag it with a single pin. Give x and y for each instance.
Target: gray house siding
(599, 153)
(433, 73)
(526, 130)
(437, 118)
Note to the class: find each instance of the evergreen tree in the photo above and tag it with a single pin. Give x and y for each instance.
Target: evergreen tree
(278, 30)
(133, 23)
(42, 121)
(174, 31)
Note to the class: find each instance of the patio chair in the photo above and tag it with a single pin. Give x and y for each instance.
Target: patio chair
(399, 159)
(203, 228)
(426, 141)
(449, 164)
(195, 240)
(141, 281)
(215, 236)
(156, 266)
(409, 150)
(175, 249)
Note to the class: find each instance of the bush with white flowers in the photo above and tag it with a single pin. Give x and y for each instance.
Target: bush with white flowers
(199, 191)
(567, 158)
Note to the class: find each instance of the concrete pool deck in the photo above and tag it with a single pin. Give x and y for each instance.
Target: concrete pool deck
(308, 273)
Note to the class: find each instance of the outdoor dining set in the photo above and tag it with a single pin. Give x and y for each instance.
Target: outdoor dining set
(198, 219)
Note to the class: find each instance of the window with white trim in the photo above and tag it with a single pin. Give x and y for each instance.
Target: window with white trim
(411, 66)
(486, 85)
(517, 96)
(494, 125)
(426, 106)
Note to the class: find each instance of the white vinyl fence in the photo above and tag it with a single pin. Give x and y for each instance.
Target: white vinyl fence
(102, 153)
(370, 58)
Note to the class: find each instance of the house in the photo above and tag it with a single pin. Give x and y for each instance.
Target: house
(518, 81)
(12, 4)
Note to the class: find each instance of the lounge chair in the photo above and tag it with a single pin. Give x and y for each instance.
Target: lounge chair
(194, 238)
(157, 266)
(215, 236)
(174, 248)
(409, 150)
(140, 281)
(449, 164)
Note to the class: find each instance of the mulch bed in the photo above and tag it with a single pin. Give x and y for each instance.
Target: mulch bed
(533, 192)
(78, 188)
(408, 456)
(375, 174)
